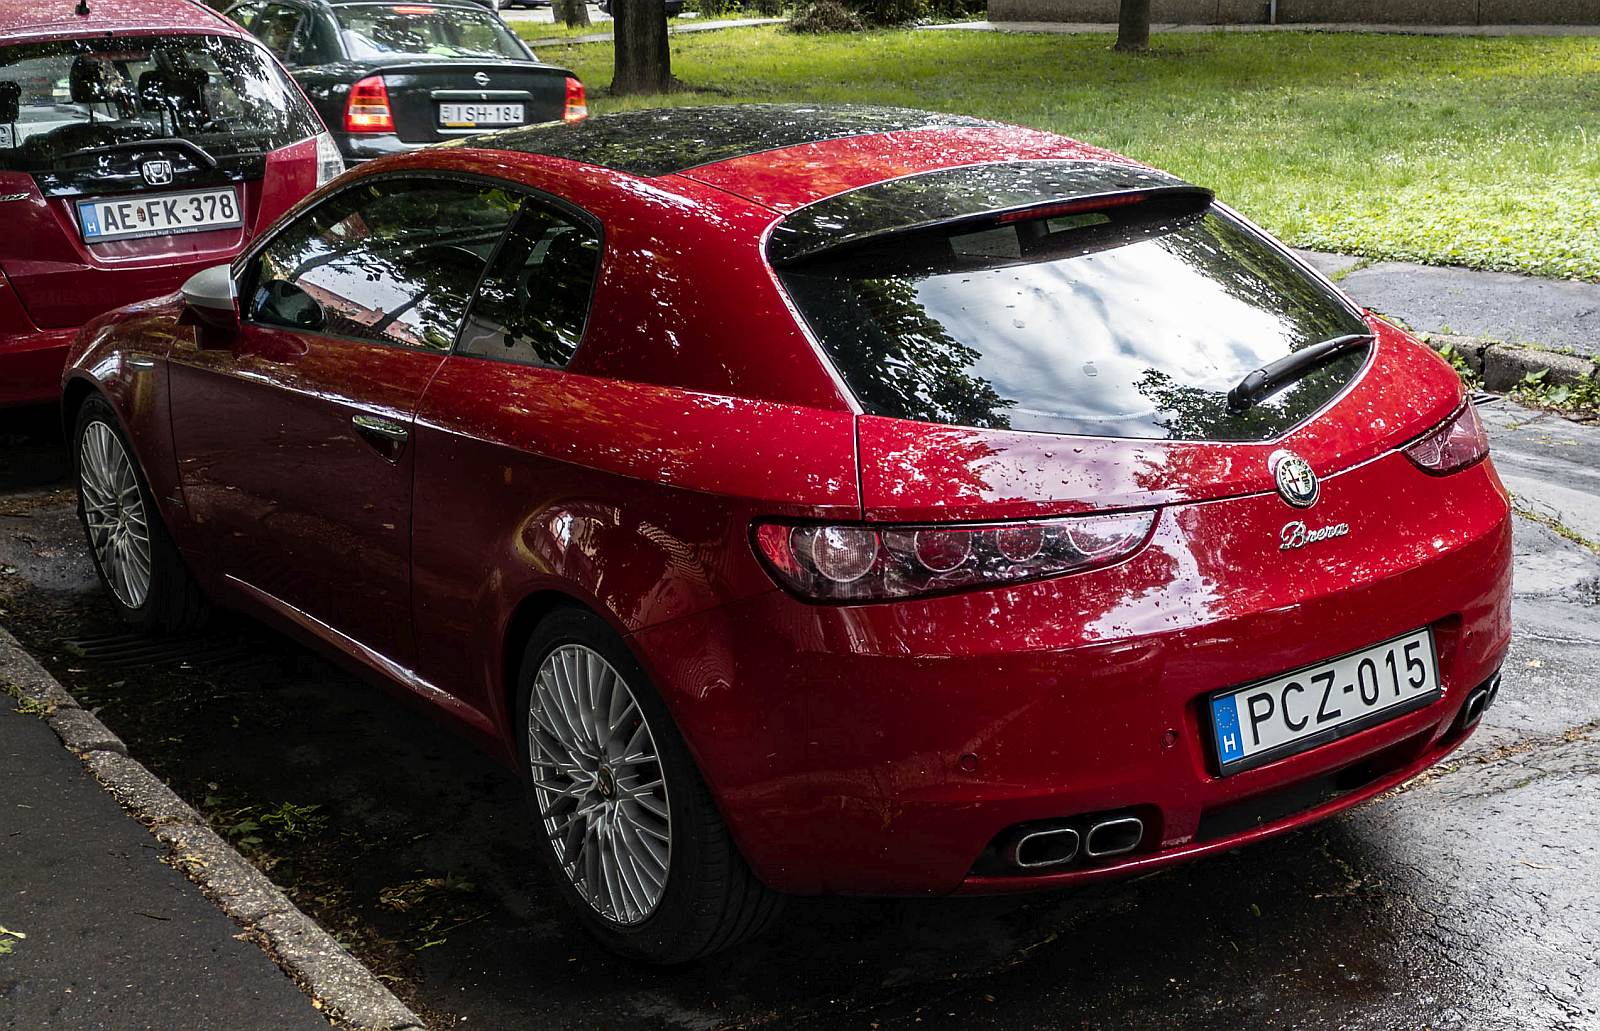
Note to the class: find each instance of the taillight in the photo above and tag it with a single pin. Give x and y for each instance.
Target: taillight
(367, 110)
(329, 161)
(577, 108)
(1457, 443)
(867, 563)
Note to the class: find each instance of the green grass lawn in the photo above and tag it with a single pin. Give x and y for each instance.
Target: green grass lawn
(1449, 150)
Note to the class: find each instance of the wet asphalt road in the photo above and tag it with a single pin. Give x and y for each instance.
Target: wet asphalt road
(1466, 900)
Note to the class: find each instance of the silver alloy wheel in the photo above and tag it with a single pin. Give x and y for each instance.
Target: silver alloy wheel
(599, 785)
(113, 511)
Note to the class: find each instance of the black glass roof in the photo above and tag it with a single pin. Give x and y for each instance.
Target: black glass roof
(665, 140)
(948, 195)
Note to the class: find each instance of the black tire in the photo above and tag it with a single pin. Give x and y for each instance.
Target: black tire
(711, 900)
(173, 601)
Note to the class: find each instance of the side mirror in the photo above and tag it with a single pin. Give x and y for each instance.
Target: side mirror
(209, 299)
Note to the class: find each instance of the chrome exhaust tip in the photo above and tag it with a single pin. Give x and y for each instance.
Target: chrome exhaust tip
(1053, 846)
(1473, 708)
(1113, 837)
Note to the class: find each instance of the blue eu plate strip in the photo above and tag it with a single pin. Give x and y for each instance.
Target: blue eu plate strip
(1225, 717)
(91, 223)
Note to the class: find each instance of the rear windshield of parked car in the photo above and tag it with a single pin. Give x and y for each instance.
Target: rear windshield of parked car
(381, 30)
(1129, 322)
(223, 94)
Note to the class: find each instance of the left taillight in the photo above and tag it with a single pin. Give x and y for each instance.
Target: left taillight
(367, 109)
(329, 161)
(1455, 444)
(854, 563)
(577, 106)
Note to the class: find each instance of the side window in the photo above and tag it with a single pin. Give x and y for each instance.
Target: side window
(535, 301)
(315, 42)
(275, 28)
(394, 261)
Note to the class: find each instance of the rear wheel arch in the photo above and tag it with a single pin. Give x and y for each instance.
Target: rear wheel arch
(532, 610)
(73, 394)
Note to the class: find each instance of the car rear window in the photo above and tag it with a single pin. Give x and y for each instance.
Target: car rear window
(73, 96)
(380, 30)
(1130, 321)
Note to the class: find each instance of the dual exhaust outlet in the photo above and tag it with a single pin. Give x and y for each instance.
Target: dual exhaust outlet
(1478, 703)
(1048, 847)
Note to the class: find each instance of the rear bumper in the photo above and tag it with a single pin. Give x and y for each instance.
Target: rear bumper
(359, 147)
(881, 749)
(31, 366)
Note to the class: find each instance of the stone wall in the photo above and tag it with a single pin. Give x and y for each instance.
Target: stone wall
(1384, 12)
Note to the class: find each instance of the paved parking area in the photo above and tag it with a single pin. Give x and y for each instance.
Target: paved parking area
(1463, 901)
(542, 13)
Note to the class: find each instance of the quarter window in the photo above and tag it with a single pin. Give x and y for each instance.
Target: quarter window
(276, 27)
(534, 302)
(394, 261)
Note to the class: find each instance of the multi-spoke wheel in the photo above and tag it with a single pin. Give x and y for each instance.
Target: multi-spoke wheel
(114, 514)
(625, 821)
(132, 552)
(598, 782)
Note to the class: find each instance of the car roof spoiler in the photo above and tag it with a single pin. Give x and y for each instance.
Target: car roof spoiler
(971, 196)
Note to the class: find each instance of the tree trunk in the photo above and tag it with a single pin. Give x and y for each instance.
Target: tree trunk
(643, 64)
(572, 12)
(1133, 25)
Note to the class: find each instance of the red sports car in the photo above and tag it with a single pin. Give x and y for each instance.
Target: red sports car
(807, 500)
(140, 141)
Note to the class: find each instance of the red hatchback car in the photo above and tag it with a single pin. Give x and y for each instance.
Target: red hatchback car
(807, 500)
(139, 141)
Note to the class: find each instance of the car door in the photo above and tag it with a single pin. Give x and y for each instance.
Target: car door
(527, 318)
(294, 443)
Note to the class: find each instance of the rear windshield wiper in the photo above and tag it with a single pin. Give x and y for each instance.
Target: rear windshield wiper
(1266, 381)
(158, 143)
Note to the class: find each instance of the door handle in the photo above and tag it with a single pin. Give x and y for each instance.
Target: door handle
(386, 430)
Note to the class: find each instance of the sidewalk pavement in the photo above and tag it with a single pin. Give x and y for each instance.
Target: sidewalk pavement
(115, 939)
(675, 28)
(1558, 320)
(1076, 28)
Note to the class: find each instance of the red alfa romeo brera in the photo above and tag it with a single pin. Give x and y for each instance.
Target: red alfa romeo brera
(819, 501)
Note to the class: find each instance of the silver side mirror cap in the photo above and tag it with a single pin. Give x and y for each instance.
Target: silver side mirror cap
(211, 299)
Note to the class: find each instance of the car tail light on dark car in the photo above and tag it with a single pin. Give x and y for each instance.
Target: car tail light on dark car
(577, 106)
(367, 110)
(1455, 444)
(844, 562)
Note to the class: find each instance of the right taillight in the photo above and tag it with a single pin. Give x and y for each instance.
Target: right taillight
(329, 161)
(367, 110)
(577, 106)
(1457, 443)
(855, 563)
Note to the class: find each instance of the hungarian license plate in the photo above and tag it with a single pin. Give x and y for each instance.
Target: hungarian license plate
(1291, 713)
(157, 214)
(479, 115)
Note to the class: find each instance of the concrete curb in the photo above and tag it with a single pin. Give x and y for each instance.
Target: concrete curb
(1502, 366)
(336, 981)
